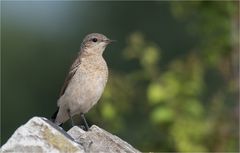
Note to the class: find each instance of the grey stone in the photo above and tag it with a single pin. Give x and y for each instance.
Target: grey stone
(99, 140)
(39, 135)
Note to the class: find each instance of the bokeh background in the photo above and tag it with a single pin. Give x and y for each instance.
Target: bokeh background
(173, 83)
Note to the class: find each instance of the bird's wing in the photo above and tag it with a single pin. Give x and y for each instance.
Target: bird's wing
(71, 73)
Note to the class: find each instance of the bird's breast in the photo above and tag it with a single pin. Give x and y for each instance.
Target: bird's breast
(87, 85)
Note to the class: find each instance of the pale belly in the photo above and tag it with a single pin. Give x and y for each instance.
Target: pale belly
(83, 92)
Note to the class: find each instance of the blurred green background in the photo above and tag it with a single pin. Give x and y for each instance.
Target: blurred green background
(173, 83)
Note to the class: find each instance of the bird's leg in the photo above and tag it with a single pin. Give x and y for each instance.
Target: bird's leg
(69, 114)
(85, 122)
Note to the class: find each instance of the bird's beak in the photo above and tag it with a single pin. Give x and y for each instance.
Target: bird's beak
(109, 41)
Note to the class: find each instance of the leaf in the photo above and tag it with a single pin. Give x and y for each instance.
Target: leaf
(155, 93)
(162, 114)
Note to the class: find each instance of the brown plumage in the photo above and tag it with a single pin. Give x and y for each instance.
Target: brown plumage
(85, 81)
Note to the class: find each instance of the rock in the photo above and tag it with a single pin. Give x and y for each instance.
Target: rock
(41, 135)
(99, 140)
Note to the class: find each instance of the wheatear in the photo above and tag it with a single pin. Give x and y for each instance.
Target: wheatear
(85, 81)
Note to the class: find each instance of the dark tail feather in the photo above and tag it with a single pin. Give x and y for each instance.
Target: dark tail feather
(53, 118)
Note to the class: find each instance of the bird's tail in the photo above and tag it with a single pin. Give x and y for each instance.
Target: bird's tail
(54, 116)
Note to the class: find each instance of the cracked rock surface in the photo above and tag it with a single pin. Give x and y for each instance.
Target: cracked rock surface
(41, 135)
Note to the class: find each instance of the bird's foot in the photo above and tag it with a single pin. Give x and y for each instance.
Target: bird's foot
(85, 122)
(84, 128)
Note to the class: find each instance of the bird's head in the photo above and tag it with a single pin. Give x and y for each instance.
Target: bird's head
(94, 43)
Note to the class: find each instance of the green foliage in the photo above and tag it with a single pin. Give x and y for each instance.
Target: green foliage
(211, 22)
(162, 114)
(156, 93)
(179, 100)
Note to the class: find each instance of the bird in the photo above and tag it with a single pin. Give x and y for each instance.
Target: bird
(85, 81)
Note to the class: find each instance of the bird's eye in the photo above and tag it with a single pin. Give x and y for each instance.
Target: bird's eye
(94, 40)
